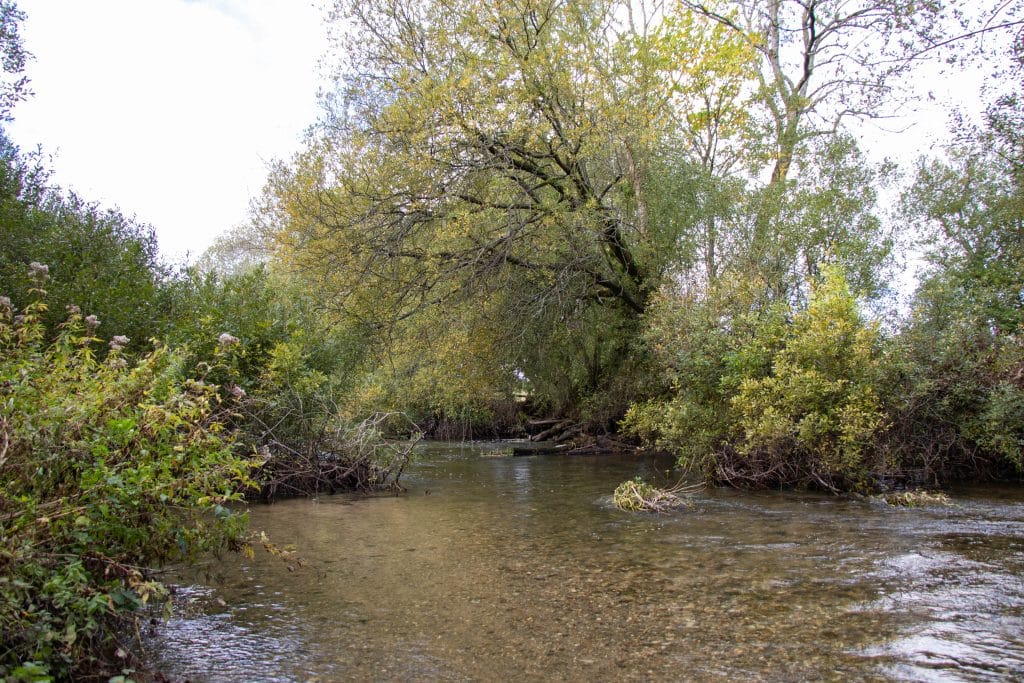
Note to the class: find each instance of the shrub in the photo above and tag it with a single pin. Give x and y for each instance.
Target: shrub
(958, 394)
(292, 416)
(818, 406)
(100, 259)
(763, 395)
(705, 345)
(106, 468)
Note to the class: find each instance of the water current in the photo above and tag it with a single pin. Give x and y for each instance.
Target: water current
(519, 568)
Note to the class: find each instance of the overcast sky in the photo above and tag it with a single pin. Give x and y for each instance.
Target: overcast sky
(170, 109)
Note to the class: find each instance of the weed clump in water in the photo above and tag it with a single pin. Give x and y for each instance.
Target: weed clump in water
(916, 499)
(636, 495)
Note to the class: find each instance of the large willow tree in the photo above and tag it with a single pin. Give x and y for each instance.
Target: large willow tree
(512, 181)
(486, 164)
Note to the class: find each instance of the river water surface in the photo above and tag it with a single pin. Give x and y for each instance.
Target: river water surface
(519, 568)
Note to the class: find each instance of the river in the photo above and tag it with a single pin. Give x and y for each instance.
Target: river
(519, 568)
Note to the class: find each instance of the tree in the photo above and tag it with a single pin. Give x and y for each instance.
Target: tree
(100, 260)
(501, 129)
(13, 57)
(483, 153)
(960, 354)
(711, 71)
(820, 63)
(970, 214)
(828, 217)
(823, 61)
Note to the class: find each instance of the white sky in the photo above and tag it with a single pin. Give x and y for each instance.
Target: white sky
(170, 109)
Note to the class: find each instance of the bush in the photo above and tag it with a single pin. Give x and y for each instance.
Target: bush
(106, 468)
(704, 345)
(293, 417)
(100, 259)
(818, 408)
(958, 394)
(763, 395)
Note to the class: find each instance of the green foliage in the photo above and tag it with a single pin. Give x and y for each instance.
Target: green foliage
(765, 391)
(765, 395)
(829, 217)
(280, 342)
(492, 168)
(99, 260)
(957, 405)
(446, 369)
(970, 212)
(299, 379)
(704, 346)
(959, 361)
(293, 414)
(590, 367)
(13, 56)
(204, 305)
(107, 468)
(818, 409)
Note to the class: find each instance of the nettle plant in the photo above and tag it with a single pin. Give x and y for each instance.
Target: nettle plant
(108, 466)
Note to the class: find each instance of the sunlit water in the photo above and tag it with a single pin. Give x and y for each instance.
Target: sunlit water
(502, 568)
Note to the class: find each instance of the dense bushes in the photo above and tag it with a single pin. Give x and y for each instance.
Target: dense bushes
(108, 467)
(112, 462)
(815, 414)
(769, 395)
(817, 396)
(957, 394)
(99, 259)
(293, 377)
(784, 386)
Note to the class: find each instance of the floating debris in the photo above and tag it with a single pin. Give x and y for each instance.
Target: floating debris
(915, 499)
(636, 495)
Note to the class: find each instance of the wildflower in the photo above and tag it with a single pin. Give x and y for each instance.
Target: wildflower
(73, 309)
(40, 272)
(225, 340)
(237, 391)
(118, 363)
(5, 304)
(91, 323)
(118, 342)
(19, 320)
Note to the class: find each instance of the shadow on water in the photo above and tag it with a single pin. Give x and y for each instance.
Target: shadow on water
(501, 568)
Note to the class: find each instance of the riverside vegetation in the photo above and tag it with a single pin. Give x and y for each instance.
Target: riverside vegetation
(645, 220)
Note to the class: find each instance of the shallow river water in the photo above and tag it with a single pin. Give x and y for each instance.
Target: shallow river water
(519, 568)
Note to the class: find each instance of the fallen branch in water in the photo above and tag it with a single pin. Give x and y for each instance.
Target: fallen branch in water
(636, 495)
(324, 461)
(915, 499)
